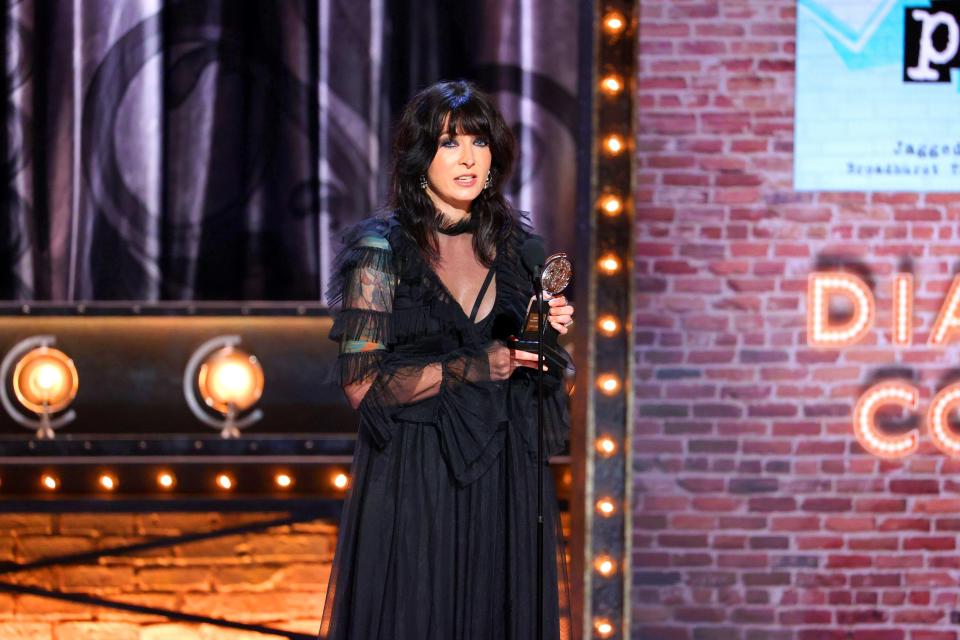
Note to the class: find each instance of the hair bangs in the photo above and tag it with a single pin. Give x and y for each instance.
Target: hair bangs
(467, 117)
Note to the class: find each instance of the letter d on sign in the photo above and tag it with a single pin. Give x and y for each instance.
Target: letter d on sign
(821, 332)
(929, 54)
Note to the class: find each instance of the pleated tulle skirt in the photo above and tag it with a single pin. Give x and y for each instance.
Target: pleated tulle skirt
(420, 557)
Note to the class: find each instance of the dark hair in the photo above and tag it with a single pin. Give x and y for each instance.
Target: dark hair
(471, 112)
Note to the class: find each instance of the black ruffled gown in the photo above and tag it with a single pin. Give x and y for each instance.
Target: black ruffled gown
(437, 537)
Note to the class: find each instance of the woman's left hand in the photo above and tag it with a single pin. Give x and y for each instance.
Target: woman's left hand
(561, 314)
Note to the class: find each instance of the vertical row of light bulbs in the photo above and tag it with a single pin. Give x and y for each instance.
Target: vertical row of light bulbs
(610, 206)
(167, 481)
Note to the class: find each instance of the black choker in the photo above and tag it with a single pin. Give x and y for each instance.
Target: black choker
(464, 225)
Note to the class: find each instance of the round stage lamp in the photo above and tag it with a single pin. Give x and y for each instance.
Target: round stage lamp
(224, 378)
(44, 381)
(230, 380)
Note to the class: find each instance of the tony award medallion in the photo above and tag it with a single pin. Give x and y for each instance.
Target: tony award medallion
(555, 277)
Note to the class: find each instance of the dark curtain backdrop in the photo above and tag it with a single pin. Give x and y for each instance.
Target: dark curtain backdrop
(212, 149)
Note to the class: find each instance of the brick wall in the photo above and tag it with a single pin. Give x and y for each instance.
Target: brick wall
(757, 515)
(276, 578)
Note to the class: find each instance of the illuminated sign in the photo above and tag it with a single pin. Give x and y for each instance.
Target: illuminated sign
(825, 288)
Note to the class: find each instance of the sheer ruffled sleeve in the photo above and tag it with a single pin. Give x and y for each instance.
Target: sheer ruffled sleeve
(361, 297)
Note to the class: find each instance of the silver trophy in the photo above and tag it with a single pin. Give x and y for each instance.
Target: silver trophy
(554, 278)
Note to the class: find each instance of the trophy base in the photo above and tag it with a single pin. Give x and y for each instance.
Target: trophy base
(557, 359)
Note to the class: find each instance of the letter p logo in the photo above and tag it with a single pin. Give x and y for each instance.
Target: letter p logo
(929, 54)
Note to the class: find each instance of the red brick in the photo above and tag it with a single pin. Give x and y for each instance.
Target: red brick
(914, 486)
(931, 543)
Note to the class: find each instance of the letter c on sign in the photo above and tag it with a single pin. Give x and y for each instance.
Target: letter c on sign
(864, 425)
(940, 432)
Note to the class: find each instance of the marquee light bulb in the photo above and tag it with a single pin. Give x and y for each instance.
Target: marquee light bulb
(611, 205)
(605, 565)
(225, 481)
(283, 480)
(49, 482)
(108, 481)
(606, 507)
(613, 144)
(603, 628)
(609, 384)
(608, 326)
(341, 480)
(606, 446)
(611, 84)
(614, 22)
(166, 480)
(609, 264)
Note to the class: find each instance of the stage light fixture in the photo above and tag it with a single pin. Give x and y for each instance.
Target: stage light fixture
(44, 382)
(229, 380)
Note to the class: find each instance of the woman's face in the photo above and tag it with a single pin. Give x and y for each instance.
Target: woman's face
(458, 171)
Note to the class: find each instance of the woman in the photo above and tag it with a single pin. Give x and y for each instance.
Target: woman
(438, 533)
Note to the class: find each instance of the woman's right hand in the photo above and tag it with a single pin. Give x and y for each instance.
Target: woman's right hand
(504, 360)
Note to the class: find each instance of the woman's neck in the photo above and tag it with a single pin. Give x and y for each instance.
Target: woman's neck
(452, 212)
